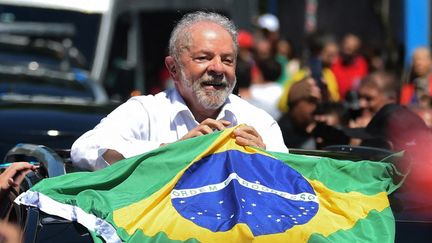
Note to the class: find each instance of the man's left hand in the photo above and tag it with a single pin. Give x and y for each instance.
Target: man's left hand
(248, 136)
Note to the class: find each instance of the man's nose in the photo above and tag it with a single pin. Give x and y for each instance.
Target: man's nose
(362, 103)
(216, 66)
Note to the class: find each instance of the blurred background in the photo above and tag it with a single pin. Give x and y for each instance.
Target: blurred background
(65, 64)
(130, 37)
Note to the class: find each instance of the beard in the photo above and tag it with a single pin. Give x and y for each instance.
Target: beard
(209, 99)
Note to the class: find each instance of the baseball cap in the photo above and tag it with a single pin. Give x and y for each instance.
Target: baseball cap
(305, 89)
(245, 39)
(268, 21)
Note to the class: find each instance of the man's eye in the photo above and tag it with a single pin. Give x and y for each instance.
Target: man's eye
(201, 58)
(228, 61)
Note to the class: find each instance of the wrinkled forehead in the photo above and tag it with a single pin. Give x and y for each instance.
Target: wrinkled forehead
(422, 53)
(205, 30)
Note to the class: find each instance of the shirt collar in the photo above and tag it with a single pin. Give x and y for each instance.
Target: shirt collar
(177, 101)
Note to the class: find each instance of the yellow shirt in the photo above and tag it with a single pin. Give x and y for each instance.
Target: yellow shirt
(328, 77)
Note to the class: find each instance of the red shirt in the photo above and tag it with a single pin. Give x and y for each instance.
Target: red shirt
(408, 93)
(349, 76)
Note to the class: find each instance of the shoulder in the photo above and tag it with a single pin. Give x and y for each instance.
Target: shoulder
(151, 100)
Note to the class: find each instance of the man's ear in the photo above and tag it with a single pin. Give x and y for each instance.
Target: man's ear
(170, 64)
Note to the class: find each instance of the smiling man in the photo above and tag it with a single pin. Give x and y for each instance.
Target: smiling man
(203, 50)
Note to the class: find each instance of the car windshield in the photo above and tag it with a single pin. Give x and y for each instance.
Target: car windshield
(46, 54)
(85, 26)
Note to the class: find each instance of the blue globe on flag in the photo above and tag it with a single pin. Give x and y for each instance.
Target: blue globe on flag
(232, 187)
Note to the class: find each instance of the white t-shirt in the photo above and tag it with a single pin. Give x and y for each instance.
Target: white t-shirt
(266, 96)
(144, 122)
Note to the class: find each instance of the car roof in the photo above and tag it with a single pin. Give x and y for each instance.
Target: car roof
(94, 6)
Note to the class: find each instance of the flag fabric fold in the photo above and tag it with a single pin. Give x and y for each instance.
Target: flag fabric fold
(209, 189)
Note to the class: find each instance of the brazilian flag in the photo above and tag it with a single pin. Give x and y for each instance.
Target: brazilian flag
(209, 189)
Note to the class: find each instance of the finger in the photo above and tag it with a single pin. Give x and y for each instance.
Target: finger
(16, 167)
(20, 176)
(205, 129)
(225, 122)
(12, 183)
(215, 124)
(246, 142)
(192, 134)
(250, 135)
(247, 131)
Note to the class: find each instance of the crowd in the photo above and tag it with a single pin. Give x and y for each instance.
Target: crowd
(332, 88)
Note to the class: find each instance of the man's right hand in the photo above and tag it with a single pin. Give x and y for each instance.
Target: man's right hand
(111, 156)
(206, 127)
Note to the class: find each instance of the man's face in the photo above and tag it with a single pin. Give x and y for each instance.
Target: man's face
(371, 100)
(421, 62)
(329, 54)
(207, 67)
(351, 44)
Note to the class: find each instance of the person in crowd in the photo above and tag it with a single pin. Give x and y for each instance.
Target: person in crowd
(375, 90)
(10, 179)
(425, 113)
(330, 118)
(397, 128)
(350, 67)
(266, 95)
(202, 61)
(268, 28)
(298, 122)
(286, 57)
(323, 51)
(246, 69)
(418, 91)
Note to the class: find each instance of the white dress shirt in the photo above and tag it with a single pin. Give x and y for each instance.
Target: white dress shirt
(143, 123)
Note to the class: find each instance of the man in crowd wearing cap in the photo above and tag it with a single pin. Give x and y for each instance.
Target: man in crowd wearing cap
(297, 123)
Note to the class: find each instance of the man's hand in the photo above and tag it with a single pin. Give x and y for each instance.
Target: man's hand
(248, 136)
(111, 156)
(15, 174)
(206, 127)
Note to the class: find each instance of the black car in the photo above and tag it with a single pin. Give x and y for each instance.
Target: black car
(46, 94)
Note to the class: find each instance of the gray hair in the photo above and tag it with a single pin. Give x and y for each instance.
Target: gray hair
(180, 36)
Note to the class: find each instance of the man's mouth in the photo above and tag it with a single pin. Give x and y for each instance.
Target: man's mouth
(214, 84)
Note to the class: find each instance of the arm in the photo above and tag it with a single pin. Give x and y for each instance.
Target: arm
(125, 132)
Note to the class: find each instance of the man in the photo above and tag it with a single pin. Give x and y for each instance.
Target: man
(376, 90)
(202, 60)
(297, 123)
(323, 51)
(266, 94)
(350, 67)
